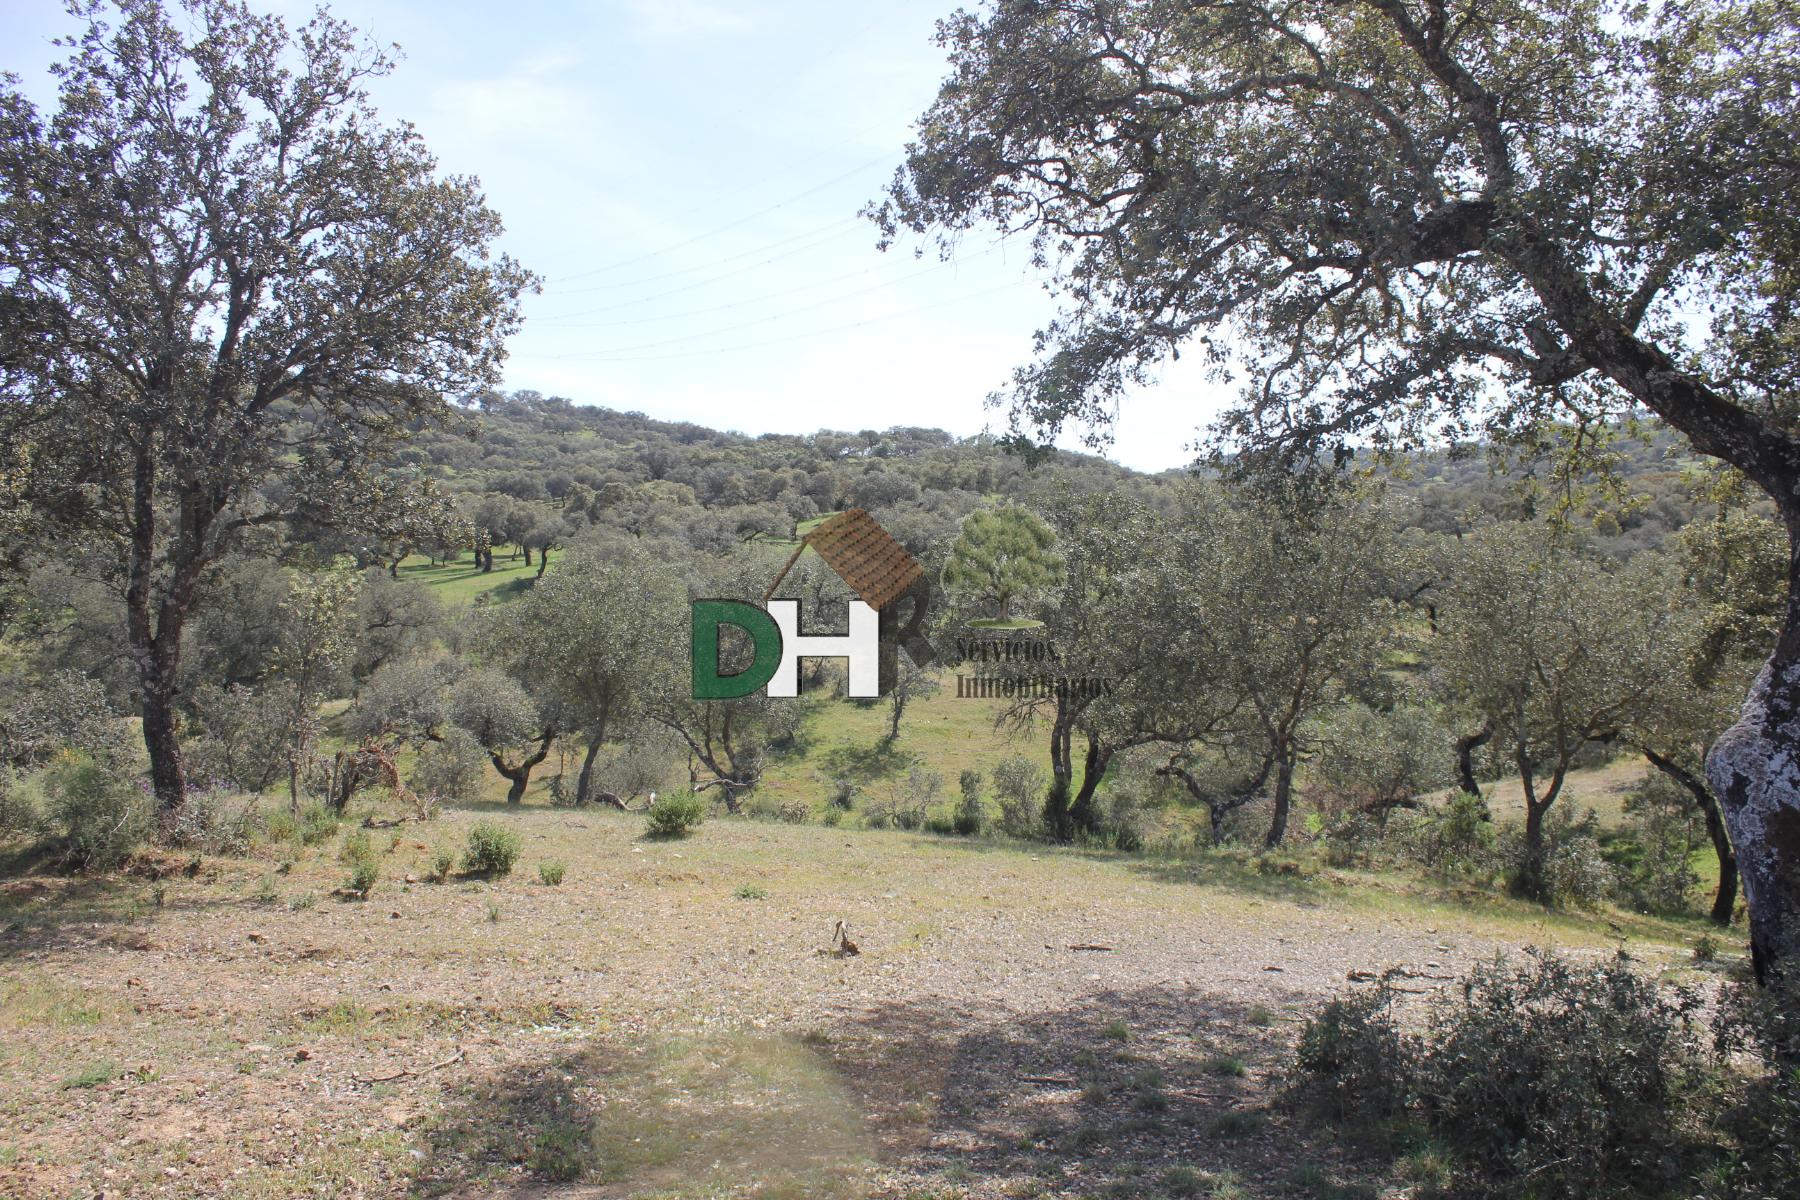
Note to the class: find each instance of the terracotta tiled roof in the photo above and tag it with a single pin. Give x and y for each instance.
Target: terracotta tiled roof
(876, 567)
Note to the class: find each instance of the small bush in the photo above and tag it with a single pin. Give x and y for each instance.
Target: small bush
(492, 849)
(1355, 1059)
(750, 891)
(1018, 793)
(443, 861)
(550, 874)
(356, 846)
(1457, 839)
(318, 824)
(364, 871)
(101, 818)
(1654, 859)
(280, 826)
(676, 815)
(1574, 871)
(452, 769)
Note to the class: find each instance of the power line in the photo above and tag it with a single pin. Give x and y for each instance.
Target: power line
(817, 238)
(752, 300)
(730, 225)
(608, 356)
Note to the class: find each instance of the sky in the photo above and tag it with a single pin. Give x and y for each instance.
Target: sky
(686, 178)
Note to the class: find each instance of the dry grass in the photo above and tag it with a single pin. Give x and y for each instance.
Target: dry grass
(641, 1030)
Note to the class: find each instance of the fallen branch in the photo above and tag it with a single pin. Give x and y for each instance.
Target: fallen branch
(1090, 946)
(1053, 1080)
(408, 1072)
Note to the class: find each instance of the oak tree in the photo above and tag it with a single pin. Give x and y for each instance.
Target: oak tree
(226, 289)
(1403, 218)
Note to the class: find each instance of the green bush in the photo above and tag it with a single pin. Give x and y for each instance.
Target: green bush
(443, 861)
(1549, 1078)
(1354, 1058)
(365, 869)
(971, 817)
(676, 815)
(1654, 858)
(318, 824)
(100, 817)
(356, 846)
(452, 769)
(1457, 839)
(1019, 792)
(550, 874)
(1759, 1029)
(280, 825)
(1574, 874)
(492, 849)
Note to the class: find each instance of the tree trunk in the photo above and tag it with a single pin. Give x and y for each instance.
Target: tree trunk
(168, 772)
(1725, 898)
(1528, 880)
(1284, 789)
(520, 775)
(1083, 816)
(527, 550)
(1755, 771)
(543, 561)
(584, 783)
(1465, 760)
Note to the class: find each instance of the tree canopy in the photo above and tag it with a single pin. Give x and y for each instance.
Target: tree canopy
(227, 288)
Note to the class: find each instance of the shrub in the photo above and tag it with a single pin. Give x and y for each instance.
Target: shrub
(1654, 860)
(970, 816)
(365, 869)
(1457, 839)
(451, 769)
(1575, 873)
(100, 817)
(209, 822)
(280, 825)
(550, 874)
(19, 815)
(1549, 1078)
(443, 861)
(1760, 1026)
(1018, 792)
(1533, 1060)
(1354, 1059)
(676, 815)
(492, 849)
(833, 817)
(317, 824)
(356, 846)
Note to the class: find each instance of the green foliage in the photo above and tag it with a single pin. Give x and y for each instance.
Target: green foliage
(1457, 838)
(492, 849)
(1019, 792)
(751, 891)
(1761, 1118)
(450, 769)
(1655, 858)
(550, 874)
(971, 816)
(99, 816)
(318, 824)
(1573, 871)
(443, 861)
(1002, 556)
(1355, 1059)
(365, 869)
(676, 815)
(357, 845)
(1546, 1078)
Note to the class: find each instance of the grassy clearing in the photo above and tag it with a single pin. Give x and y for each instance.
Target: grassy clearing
(459, 581)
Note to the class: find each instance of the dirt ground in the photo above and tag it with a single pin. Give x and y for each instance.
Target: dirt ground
(666, 1022)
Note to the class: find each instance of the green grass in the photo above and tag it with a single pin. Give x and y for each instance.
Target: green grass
(458, 582)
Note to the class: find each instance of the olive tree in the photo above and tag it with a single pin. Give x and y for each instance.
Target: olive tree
(1396, 219)
(226, 289)
(592, 639)
(1554, 653)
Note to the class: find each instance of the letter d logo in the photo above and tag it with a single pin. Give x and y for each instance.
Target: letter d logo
(708, 615)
